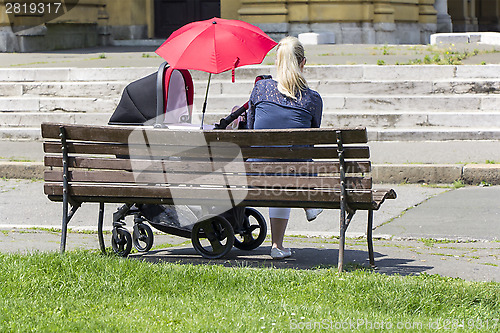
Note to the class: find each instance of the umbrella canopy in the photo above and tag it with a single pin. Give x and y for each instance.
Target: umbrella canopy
(216, 45)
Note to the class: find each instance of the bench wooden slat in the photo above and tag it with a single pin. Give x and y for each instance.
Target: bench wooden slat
(252, 203)
(194, 166)
(121, 134)
(203, 195)
(106, 176)
(380, 195)
(384, 193)
(202, 152)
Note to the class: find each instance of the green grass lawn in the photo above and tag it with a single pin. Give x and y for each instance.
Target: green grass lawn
(84, 291)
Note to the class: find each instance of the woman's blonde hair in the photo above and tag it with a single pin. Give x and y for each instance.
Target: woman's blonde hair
(290, 54)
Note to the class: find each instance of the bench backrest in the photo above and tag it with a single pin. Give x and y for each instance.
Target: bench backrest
(257, 167)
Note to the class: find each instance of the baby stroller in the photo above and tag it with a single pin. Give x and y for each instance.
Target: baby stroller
(172, 89)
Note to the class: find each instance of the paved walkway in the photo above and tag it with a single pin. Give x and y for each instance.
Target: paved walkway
(451, 232)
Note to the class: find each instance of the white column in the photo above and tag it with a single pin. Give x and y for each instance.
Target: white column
(8, 40)
(443, 19)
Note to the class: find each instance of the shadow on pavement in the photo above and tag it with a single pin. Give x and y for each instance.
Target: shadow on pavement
(302, 259)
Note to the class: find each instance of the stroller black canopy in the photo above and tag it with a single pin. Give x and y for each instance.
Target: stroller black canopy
(140, 103)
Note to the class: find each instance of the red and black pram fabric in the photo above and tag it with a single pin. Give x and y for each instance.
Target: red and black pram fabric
(164, 97)
(161, 99)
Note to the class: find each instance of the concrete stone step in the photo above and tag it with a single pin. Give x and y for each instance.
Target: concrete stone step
(433, 134)
(68, 104)
(376, 87)
(404, 119)
(339, 111)
(486, 102)
(418, 102)
(387, 87)
(219, 87)
(20, 133)
(408, 119)
(368, 72)
(105, 89)
(127, 74)
(468, 86)
(35, 119)
(345, 72)
(378, 119)
(11, 89)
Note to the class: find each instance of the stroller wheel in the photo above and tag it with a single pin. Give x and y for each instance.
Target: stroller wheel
(212, 237)
(121, 242)
(142, 237)
(254, 231)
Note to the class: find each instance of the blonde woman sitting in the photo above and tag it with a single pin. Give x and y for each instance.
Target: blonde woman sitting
(286, 102)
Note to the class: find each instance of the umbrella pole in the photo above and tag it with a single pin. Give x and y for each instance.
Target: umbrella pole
(205, 102)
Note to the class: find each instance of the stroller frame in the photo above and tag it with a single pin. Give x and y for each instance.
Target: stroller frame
(221, 234)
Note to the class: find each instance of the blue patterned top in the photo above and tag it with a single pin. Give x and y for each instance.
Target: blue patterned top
(269, 108)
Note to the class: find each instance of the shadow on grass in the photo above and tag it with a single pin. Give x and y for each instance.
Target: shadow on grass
(304, 258)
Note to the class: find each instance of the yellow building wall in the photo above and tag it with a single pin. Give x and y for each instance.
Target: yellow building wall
(406, 10)
(127, 12)
(131, 19)
(263, 11)
(321, 11)
(82, 24)
(229, 9)
(137, 16)
(352, 21)
(337, 11)
(85, 12)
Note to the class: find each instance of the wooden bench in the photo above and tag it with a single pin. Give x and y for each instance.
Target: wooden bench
(114, 164)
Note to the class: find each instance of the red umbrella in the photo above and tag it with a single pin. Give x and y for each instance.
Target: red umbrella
(215, 46)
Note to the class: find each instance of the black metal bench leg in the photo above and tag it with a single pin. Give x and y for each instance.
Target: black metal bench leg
(342, 236)
(100, 221)
(343, 200)
(344, 224)
(65, 221)
(369, 239)
(66, 218)
(66, 197)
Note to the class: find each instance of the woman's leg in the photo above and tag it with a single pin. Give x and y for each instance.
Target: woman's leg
(279, 220)
(278, 227)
